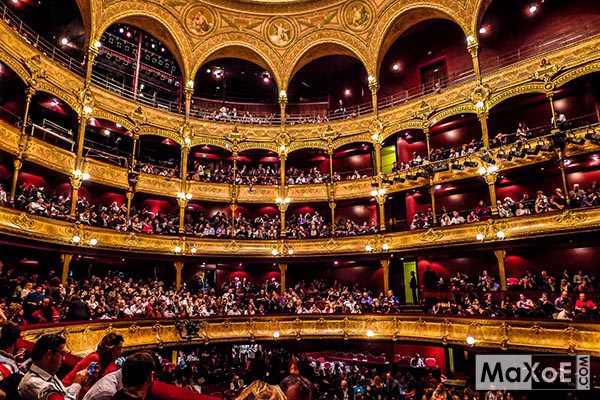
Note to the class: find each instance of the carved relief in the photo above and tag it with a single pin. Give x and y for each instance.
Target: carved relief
(200, 20)
(280, 32)
(358, 15)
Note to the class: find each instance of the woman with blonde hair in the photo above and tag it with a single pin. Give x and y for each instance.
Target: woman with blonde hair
(259, 390)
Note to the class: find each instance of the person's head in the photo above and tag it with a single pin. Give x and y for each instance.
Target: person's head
(259, 390)
(296, 387)
(9, 334)
(138, 372)
(110, 347)
(48, 352)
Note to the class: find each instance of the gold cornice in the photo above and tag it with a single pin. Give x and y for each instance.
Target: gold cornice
(20, 224)
(499, 334)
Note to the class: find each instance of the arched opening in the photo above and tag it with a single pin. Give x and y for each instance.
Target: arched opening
(12, 96)
(53, 120)
(306, 166)
(64, 30)
(327, 88)
(426, 58)
(108, 141)
(354, 161)
(210, 164)
(235, 90)
(258, 167)
(455, 136)
(137, 65)
(579, 101)
(159, 156)
(511, 31)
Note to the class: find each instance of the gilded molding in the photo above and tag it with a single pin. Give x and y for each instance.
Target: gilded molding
(550, 336)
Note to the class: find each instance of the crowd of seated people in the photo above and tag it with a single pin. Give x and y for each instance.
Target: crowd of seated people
(40, 201)
(232, 115)
(446, 217)
(168, 170)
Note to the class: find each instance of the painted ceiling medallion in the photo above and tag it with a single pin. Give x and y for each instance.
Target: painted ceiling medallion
(280, 32)
(200, 20)
(358, 15)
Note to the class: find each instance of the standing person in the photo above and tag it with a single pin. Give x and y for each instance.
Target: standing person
(138, 376)
(41, 382)
(414, 286)
(99, 363)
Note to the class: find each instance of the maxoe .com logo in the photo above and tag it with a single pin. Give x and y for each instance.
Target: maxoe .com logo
(532, 372)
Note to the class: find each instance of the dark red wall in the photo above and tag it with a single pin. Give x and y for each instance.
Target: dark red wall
(552, 260)
(425, 351)
(370, 277)
(470, 266)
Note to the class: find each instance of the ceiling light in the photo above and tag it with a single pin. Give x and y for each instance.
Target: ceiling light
(396, 67)
(121, 30)
(347, 92)
(93, 241)
(483, 30)
(64, 41)
(118, 125)
(438, 187)
(532, 9)
(15, 1)
(128, 34)
(274, 252)
(106, 132)
(370, 333)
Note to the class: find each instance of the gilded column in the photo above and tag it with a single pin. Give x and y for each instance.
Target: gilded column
(385, 265)
(66, 263)
(136, 138)
(473, 49)
(282, 105)
(381, 206)
(76, 181)
(501, 256)
(178, 269)
(332, 205)
(563, 175)
(130, 193)
(428, 141)
(485, 136)
(374, 87)
(490, 179)
(282, 270)
(18, 164)
(30, 93)
(234, 193)
(550, 96)
(431, 189)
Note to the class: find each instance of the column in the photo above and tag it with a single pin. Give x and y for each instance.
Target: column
(332, 205)
(30, 93)
(129, 196)
(563, 175)
(282, 209)
(381, 206)
(282, 182)
(283, 204)
(550, 96)
(473, 49)
(76, 182)
(282, 269)
(378, 169)
(189, 92)
(490, 179)
(233, 207)
(330, 152)
(282, 104)
(182, 202)
(485, 136)
(431, 190)
(136, 138)
(18, 164)
(178, 268)
(428, 142)
(501, 256)
(374, 87)
(385, 264)
(66, 262)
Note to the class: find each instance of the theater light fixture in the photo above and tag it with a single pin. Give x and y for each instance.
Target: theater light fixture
(93, 241)
(378, 192)
(194, 250)
(480, 237)
(575, 140)
(458, 166)
(399, 179)
(470, 340)
(274, 252)
(76, 239)
(532, 151)
(500, 234)
(374, 183)
(411, 177)
(441, 167)
(276, 334)
(183, 195)
(473, 164)
(87, 109)
(177, 249)
(97, 44)
(594, 137)
(368, 248)
(422, 174)
(517, 153)
(370, 333)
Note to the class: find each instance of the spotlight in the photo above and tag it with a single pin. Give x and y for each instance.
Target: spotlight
(396, 67)
(575, 140)
(194, 250)
(474, 164)
(64, 41)
(458, 166)
(370, 333)
(518, 154)
(532, 9)
(532, 151)
(488, 159)
(121, 30)
(422, 174)
(441, 167)
(483, 30)
(399, 179)
(290, 252)
(347, 92)
(470, 340)
(594, 137)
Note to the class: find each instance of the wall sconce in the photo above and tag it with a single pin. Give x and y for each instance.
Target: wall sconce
(184, 196)
(487, 170)
(78, 174)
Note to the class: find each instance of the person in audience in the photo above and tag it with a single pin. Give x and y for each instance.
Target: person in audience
(9, 362)
(417, 361)
(137, 376)
(557, 201)
(541, 203)
(41, 382)
(563, 301)
(583, 301)
(99, 363)
(297, 387)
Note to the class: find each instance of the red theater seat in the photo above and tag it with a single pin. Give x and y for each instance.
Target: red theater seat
(431, 363)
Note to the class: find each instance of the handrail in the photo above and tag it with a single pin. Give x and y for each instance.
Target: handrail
(582, 32)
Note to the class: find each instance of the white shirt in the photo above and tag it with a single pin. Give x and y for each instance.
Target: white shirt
(106, 387)
(38, 384)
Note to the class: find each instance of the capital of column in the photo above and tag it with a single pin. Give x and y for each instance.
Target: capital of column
(473, 49)
(282, 267)
(373, 84)
(129, 195)
(182, 201)
(76, 182)
(18, 163)
(490, 178)
(283, 100)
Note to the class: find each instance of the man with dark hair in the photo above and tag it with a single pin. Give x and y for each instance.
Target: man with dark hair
(138, 375)
(9, 335)
(41, 383)
(296, 387)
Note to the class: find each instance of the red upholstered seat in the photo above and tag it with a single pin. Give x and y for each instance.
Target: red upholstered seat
(431, 362)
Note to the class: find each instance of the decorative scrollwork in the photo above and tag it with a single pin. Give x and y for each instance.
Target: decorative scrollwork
(569, 218)
(23, 221)
(537, 329)
(431, 235)
(134, 328)
(446, 325)
(570, 332)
